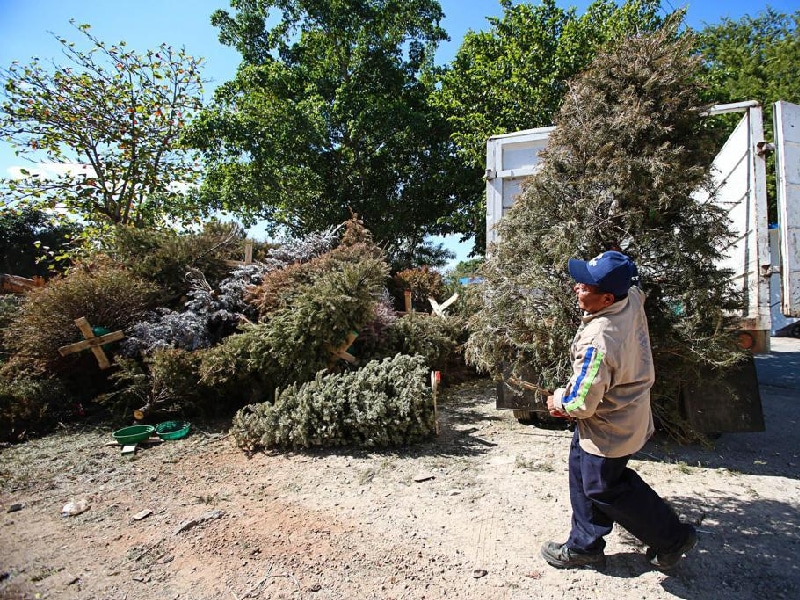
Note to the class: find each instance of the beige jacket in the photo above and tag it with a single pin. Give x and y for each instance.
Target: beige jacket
(609, 391)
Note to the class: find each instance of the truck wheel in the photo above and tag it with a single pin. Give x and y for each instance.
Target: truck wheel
(527, 417)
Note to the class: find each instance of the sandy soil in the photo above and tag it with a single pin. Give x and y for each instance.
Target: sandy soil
(460, 517)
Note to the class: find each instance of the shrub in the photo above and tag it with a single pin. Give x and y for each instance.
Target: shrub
(469, 295)
(132, 386)
(226, 306)
(469, 301)
(423, 282)
(303, 249)
(164, 329)
(210, 315)
(106, 295)
(165, 256)
(374, 335)
(10, 305)
(436, 338)
(278, 287)
(295, 342)
(26, 402)
(34, 243)
(176, 381)
(167, 380)
(386, 403)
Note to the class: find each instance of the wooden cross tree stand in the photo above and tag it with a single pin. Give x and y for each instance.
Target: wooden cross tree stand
(438, 309)
(92, 342)
(342, 351)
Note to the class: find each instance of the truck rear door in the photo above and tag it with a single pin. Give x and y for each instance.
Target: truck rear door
(786, 118)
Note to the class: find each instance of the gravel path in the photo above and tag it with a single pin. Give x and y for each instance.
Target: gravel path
(460, 517)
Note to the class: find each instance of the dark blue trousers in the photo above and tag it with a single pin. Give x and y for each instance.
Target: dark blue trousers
(604, 491)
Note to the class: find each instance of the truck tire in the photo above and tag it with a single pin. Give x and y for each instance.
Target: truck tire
(527, 417)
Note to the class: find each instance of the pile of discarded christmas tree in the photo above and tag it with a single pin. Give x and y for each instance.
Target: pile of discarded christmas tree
(305, 343)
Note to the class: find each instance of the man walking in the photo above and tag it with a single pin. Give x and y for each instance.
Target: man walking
(609, 395)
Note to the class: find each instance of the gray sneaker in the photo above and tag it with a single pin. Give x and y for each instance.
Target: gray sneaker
(561, 557)
(665, 561)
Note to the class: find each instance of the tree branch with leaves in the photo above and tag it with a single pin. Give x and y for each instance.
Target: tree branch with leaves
(107, 120)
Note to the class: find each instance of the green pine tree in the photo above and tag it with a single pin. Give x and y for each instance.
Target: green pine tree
(621, 169)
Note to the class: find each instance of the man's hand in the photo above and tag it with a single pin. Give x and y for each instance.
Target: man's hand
(554, 412)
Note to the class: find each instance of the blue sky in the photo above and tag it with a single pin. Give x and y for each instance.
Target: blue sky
(26, 28)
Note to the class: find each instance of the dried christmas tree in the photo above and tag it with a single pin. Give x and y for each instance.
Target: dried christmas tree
(629, 152)
(385, 403)
(307, 312)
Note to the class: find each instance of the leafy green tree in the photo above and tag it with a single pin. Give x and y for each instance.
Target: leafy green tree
(33, 243)
(111, 118)
(629, 150)
(465, 269)
(754, 58)
(329, 115)
(514, 77)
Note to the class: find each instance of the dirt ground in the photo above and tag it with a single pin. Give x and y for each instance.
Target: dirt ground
(460, 517)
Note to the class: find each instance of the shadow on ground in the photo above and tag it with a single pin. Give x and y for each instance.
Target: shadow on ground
(746, 549)
(775, 451)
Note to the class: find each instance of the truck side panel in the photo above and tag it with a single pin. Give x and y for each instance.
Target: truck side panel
(787, 165)
(739, 173)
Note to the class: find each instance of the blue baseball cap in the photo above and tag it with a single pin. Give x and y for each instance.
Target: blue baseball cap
(610, 271)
